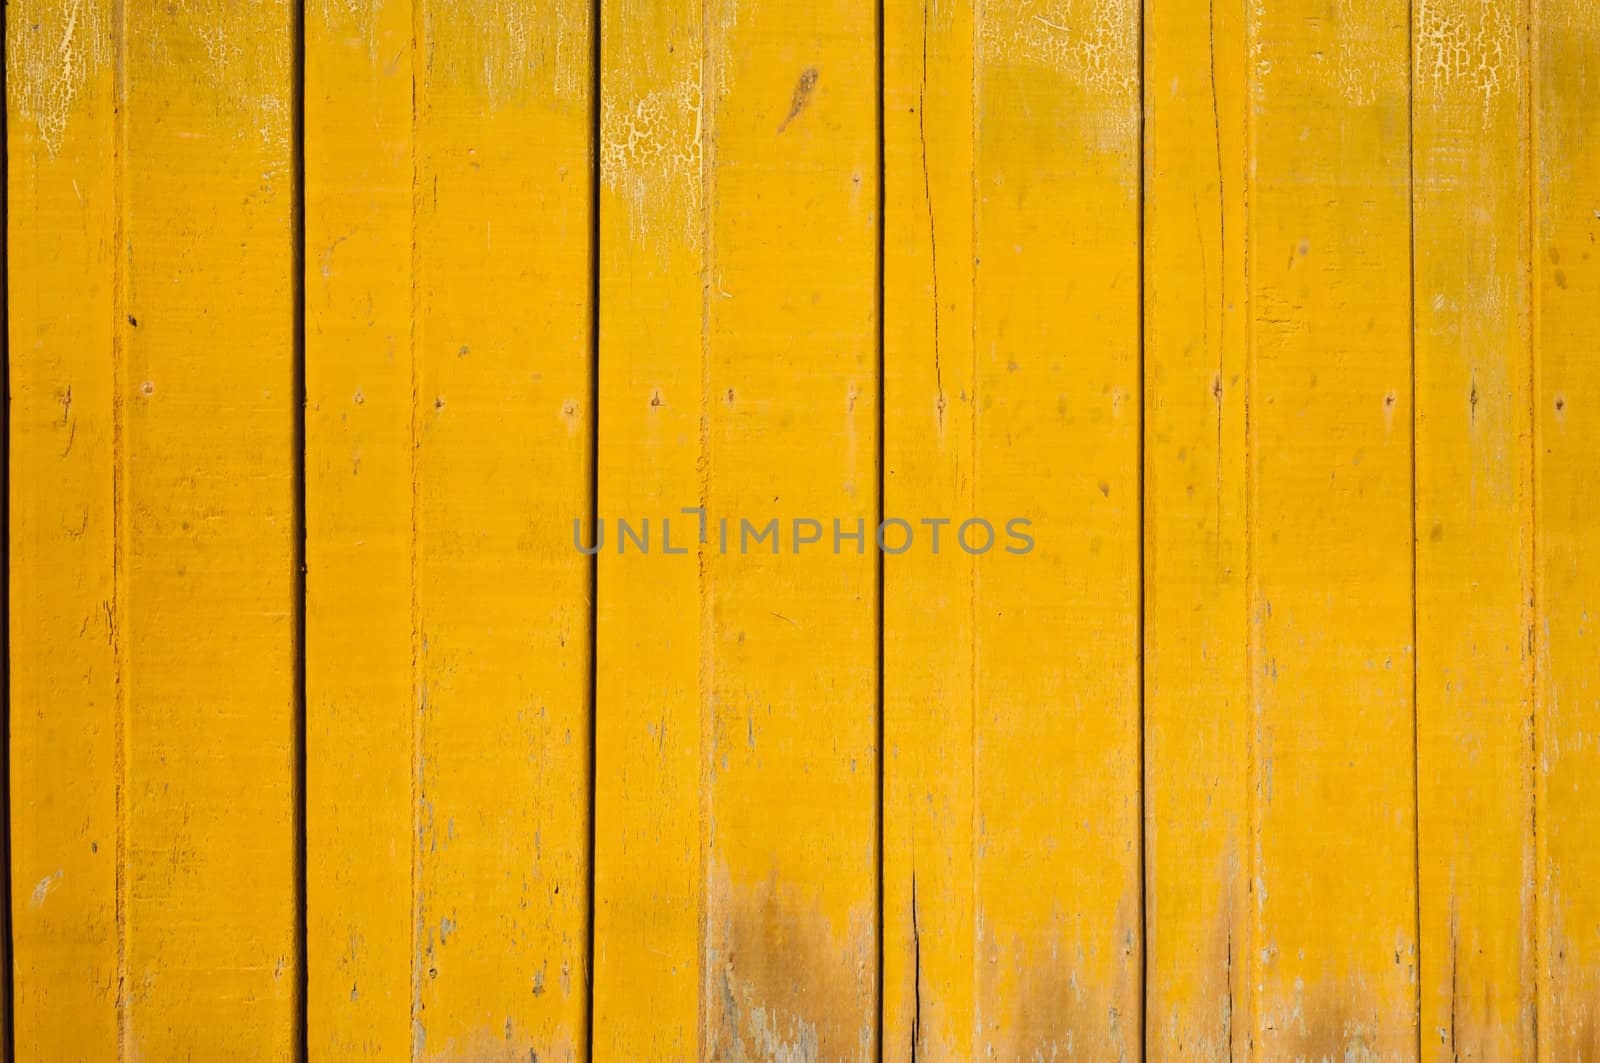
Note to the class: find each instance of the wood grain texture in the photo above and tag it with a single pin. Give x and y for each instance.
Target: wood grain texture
(205, 482)
(502, 452)
(1566, 290)
(1057, 441)
(929, 944)
(791, 422)
(362, 693)
(1275, 322)
(152, 197)
(66, 724)
(1334, 958)
(1196, 709)
(1474, 520)
(449, 442)
(652, 764)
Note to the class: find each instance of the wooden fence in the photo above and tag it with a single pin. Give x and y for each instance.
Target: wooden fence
(1263, 336)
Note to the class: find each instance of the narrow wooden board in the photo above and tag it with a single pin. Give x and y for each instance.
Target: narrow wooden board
(1056, 311)
(651, 765)
(791, 963)
(502, 461)
(1474, 524)
(929, 1007)
(1197, 707)
(360, 680)
(1566, 264)
(66, 723)
(207, 586)
(1334, 956)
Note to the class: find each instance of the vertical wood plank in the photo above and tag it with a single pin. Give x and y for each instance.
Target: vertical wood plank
(502, 462)
(1057, 441)
(1197, 921)
(1334, 960)
(651, 767)
(928, 660)
(1566, 85)
(361, 690)
(1474, 529)
(206, 407)
(792, 908)
(65, 725)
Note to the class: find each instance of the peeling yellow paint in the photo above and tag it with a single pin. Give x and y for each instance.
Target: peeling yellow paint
(509, 53)
(650, 154)
(1477, 47)
(1086, 40)
(52, 50)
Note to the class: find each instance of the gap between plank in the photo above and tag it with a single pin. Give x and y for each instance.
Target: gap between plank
(878, 558)
(7, 1000)
(595, 87)
(297, 177)
(1144, 848)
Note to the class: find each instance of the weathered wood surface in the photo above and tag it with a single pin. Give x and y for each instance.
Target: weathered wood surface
(1275, 322)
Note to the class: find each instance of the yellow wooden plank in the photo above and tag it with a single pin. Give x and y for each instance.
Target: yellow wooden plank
(928, 972)
(1057, 441)
(65, 725)
(1566, 261)
(1197, 850)
(1334, 957)
(1474, 510)
(361, 692)
(502, 462)
(207, 583)
(649, 873)
(792, 415)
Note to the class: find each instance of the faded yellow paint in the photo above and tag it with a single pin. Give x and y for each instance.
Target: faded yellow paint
(1057, 441)
(736, 811)
(929, 973)
(1566, 291)
(1474, 530)
(448, 448)
(205, 414)
(1276, 321)
(151, 204)
(66, 724)
(650, 792)
(1196, 624)
(501, 450)
(361, 719)
(1334, 949)
(791, 416)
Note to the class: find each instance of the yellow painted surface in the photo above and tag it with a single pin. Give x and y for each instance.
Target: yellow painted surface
(1196, 629)
(736, 839)
(1334, 948)
(1474, 513)
(448, 446)
(66, 719)
(501, 424)
(1056, 747)
(361, 723)
(650, 825)
(791, 416)
(152, 196)
(929, 976)
(205, 481)
(1276, 321)
(1566, 290)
